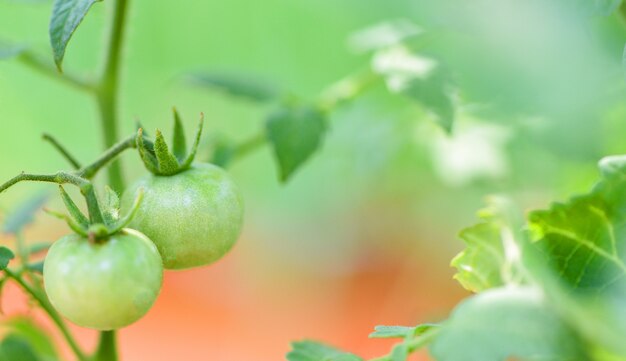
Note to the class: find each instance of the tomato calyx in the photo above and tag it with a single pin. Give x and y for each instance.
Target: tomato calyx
(157, 156)
(111, 223)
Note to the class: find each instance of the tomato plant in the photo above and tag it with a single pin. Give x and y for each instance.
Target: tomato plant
(548, 284)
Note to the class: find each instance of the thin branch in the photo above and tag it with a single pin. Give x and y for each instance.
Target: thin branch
(92, 169)
(64, 152)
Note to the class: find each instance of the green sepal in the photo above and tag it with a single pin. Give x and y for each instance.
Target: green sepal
(179, 142)
(167, 162)
(71, 222)
(75, 213)
(110, 205)
(158, 158)
(124, 221)
(148, 159)
(196, 143)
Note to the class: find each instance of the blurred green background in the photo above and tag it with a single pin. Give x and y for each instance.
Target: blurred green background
(540, 102)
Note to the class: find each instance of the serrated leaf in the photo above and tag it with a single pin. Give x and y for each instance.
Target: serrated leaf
(16, 348)
(237, 85)
(505, 323)
(315, 351)
(37, 337)
(167, 162)
(110, 205)
(179, 141)
(400, 331)
(24, 213)
(584, 239)
(295, 133)
(492, 256)
(6, 255)
(66, 16)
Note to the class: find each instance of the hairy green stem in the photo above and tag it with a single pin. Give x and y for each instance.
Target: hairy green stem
(109, 155)
(414, 344)
(85, 186)
(64, 152)
(36, 63)
(107, 94)
(41, 298)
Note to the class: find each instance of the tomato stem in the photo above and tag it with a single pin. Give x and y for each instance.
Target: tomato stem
(107, 347)
(61, 149)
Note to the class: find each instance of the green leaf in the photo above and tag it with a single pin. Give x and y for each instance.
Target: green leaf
(6, 255)
(584, 239)
(295, 133)
(16, 348)
(8, 50)
(383, 35)
(237, 85)
(24, 213)
(400, 331)
(492, 257)
(179, 142)
(314, 351)
(167, 162)
(400, 352)
(36, 267)
(421, 79)
(39, 247)
(66, 16)
(31, 332)
(506, 323)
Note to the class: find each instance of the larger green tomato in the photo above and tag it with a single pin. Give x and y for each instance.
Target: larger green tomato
(194, 217)
(104, 285)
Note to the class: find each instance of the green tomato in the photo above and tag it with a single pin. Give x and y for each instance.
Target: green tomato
(105, 285)
(194, 217)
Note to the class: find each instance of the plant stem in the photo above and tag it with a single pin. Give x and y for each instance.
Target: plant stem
(107, 97)
(107, 94)
(107, 347)
(49, 309)
(90, 170)
(59, 147)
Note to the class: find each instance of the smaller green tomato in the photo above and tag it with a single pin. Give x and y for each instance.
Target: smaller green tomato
(194, 217)
(105, 285)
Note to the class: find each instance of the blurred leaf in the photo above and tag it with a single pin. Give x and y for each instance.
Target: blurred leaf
(598, 7)
(400, 352)
(492, 257)
(36, 267)
(506, 323)
(223, 152)
(39, 247)
(400, 331)
(314, 351)
(419, 78)
(237, 85)
(584, 239)
(24, 213)
(383, 35)
(6, 255)
(8, 50)
(16, 348)
(66, 16)
(31, 332)
(295, 133)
